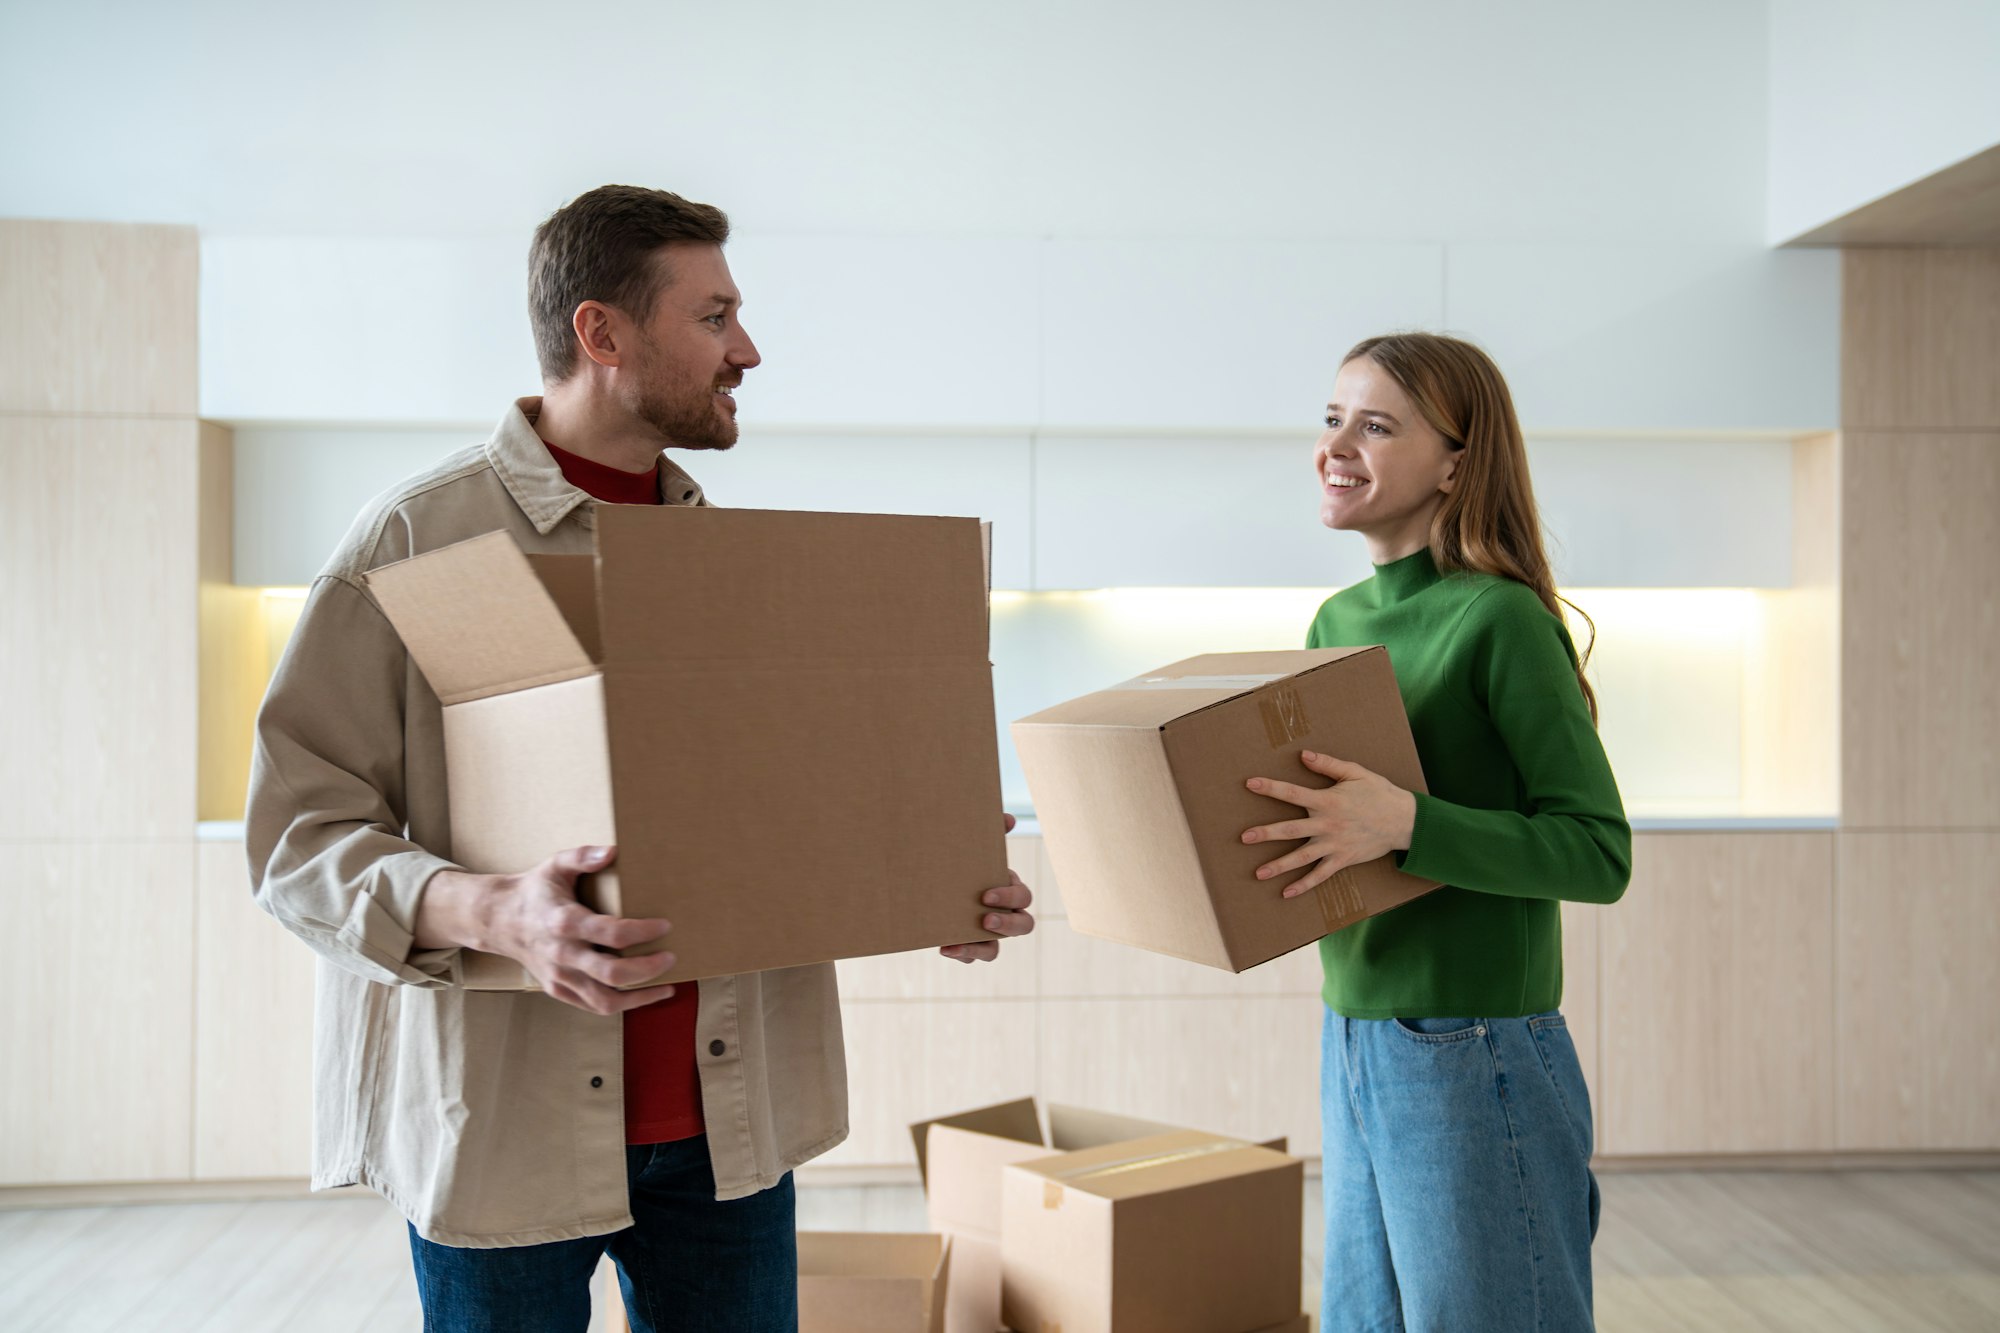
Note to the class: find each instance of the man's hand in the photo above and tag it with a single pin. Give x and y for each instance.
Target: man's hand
(1011, 901)
(535, 919)
(1361, 817)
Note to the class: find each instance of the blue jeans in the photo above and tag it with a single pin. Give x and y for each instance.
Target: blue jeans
(1457, 1176)
(689, 1264)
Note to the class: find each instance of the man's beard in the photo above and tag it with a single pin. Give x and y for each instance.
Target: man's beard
(687, 417)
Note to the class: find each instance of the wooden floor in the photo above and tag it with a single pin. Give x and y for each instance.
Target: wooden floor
(1902, 1251)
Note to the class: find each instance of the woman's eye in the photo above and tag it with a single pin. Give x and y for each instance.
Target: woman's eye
(1333, 423)
(1376, 426)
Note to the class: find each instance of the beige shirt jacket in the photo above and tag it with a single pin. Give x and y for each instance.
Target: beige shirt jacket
(488, 1118)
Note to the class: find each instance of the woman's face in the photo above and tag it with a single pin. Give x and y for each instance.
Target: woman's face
(1383, 470)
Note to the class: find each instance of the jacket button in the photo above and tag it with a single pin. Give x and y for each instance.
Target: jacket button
(716, 1047)
(596, 1082)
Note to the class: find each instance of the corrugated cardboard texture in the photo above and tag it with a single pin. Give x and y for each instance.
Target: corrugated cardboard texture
(1112, 821)
(1108, 812)
(1179, 1233)
(875, 1282)
(781, 813)
(1017, 1120)
(1350, 708)
(571, 582)
(680, 584)
(529, 773)
(477, 620)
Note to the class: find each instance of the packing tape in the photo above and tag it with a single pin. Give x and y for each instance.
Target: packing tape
(1285, 718)
(1200, 682)
(1339, 899)
(1144, 1161)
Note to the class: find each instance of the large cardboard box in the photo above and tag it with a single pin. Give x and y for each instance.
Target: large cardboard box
(1139, 790)
(1178, 1233)
(872, 1282)
(961, 1157)
(783, 720)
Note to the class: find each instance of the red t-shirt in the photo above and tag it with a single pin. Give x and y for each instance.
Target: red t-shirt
(662, 1082)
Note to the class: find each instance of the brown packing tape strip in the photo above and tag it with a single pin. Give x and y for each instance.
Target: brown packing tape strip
(1284, 714)
(1145, 1160)
(1339, 899)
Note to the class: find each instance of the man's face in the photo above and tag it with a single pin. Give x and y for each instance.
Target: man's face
(692, 353)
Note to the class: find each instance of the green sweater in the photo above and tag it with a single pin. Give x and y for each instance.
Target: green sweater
(1522, 809)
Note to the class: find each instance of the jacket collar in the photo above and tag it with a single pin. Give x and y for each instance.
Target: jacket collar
(531, 476)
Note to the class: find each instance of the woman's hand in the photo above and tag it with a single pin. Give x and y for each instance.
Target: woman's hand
(1361, 817)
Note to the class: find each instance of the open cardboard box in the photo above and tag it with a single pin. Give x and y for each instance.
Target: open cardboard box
(961, 1158)
(783, 720)
(1139, 790)
(873, 1282)
(1177, 1233)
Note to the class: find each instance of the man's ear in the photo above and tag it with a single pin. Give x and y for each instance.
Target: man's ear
(599, 333)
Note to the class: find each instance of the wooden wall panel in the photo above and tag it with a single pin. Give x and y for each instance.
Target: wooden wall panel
(98, 611)
(98, 318)
(915, 1061)
(1921, 631)
(1717, 996)
(1919, 951)
(1236, 1065)
(253, 1017)
(96, 1011)
(1920, 340)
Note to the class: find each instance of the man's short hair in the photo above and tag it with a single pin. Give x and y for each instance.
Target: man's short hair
(604, 246)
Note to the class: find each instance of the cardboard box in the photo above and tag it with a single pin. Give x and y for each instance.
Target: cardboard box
(783, 720)
(961, 1156)
(1139, 790)
(1298, 1323)
(872, 1282)
(1178, 1233)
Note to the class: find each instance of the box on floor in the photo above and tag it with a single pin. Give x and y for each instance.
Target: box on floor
(1140, 793)
(705, 673)
(961, 1159)
(873, 1282)
(1176, 1233)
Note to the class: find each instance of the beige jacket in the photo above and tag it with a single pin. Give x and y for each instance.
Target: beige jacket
(488, 1118)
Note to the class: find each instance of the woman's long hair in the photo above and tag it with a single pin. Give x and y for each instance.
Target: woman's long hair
(1488, 522)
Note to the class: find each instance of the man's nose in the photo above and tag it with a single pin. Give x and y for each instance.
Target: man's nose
(746, 357)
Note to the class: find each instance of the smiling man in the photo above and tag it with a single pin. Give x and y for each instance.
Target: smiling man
(525, 1135)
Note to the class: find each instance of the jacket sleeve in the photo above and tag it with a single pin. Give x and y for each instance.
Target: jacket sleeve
(326, 813)
(1515, 663)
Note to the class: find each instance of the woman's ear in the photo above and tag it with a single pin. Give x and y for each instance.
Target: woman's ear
(1451, 474)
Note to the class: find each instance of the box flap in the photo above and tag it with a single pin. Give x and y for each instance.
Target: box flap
(1017, 1120)
(1184, 687)
(476, 619)
(571, 582)
(677, 584)
(1152, 1165)
(862, 1282)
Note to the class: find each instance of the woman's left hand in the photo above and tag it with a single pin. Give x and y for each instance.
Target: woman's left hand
(1361, 817)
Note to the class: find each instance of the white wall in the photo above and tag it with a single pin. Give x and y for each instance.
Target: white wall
(1299, 119)
(1869, 97)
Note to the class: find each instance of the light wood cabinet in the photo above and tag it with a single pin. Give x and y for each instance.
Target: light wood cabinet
(253, 1030)
(1920, 339)
(97, 318)
(98, 615)
(1717, 996)
(96, 1011)
(1919, 964)
(1920, 721)
(1581, 924)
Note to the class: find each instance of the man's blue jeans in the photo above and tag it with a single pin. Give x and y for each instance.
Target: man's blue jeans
(1457, 1176)
(688, 1263)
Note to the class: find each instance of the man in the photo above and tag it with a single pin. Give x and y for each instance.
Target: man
(524, 1134)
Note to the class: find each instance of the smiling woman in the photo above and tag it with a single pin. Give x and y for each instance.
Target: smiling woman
(1426, 1149)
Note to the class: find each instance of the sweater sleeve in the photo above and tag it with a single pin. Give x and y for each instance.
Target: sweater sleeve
(1514, 662)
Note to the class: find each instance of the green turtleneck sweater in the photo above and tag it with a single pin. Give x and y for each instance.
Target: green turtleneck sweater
(1522, 809)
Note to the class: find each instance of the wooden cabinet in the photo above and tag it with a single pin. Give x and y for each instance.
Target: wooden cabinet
(96, 1017)
(253, 1030)
(1717, 996)
(1919, 991)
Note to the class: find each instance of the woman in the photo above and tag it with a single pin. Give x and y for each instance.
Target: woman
(1457, 1128)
